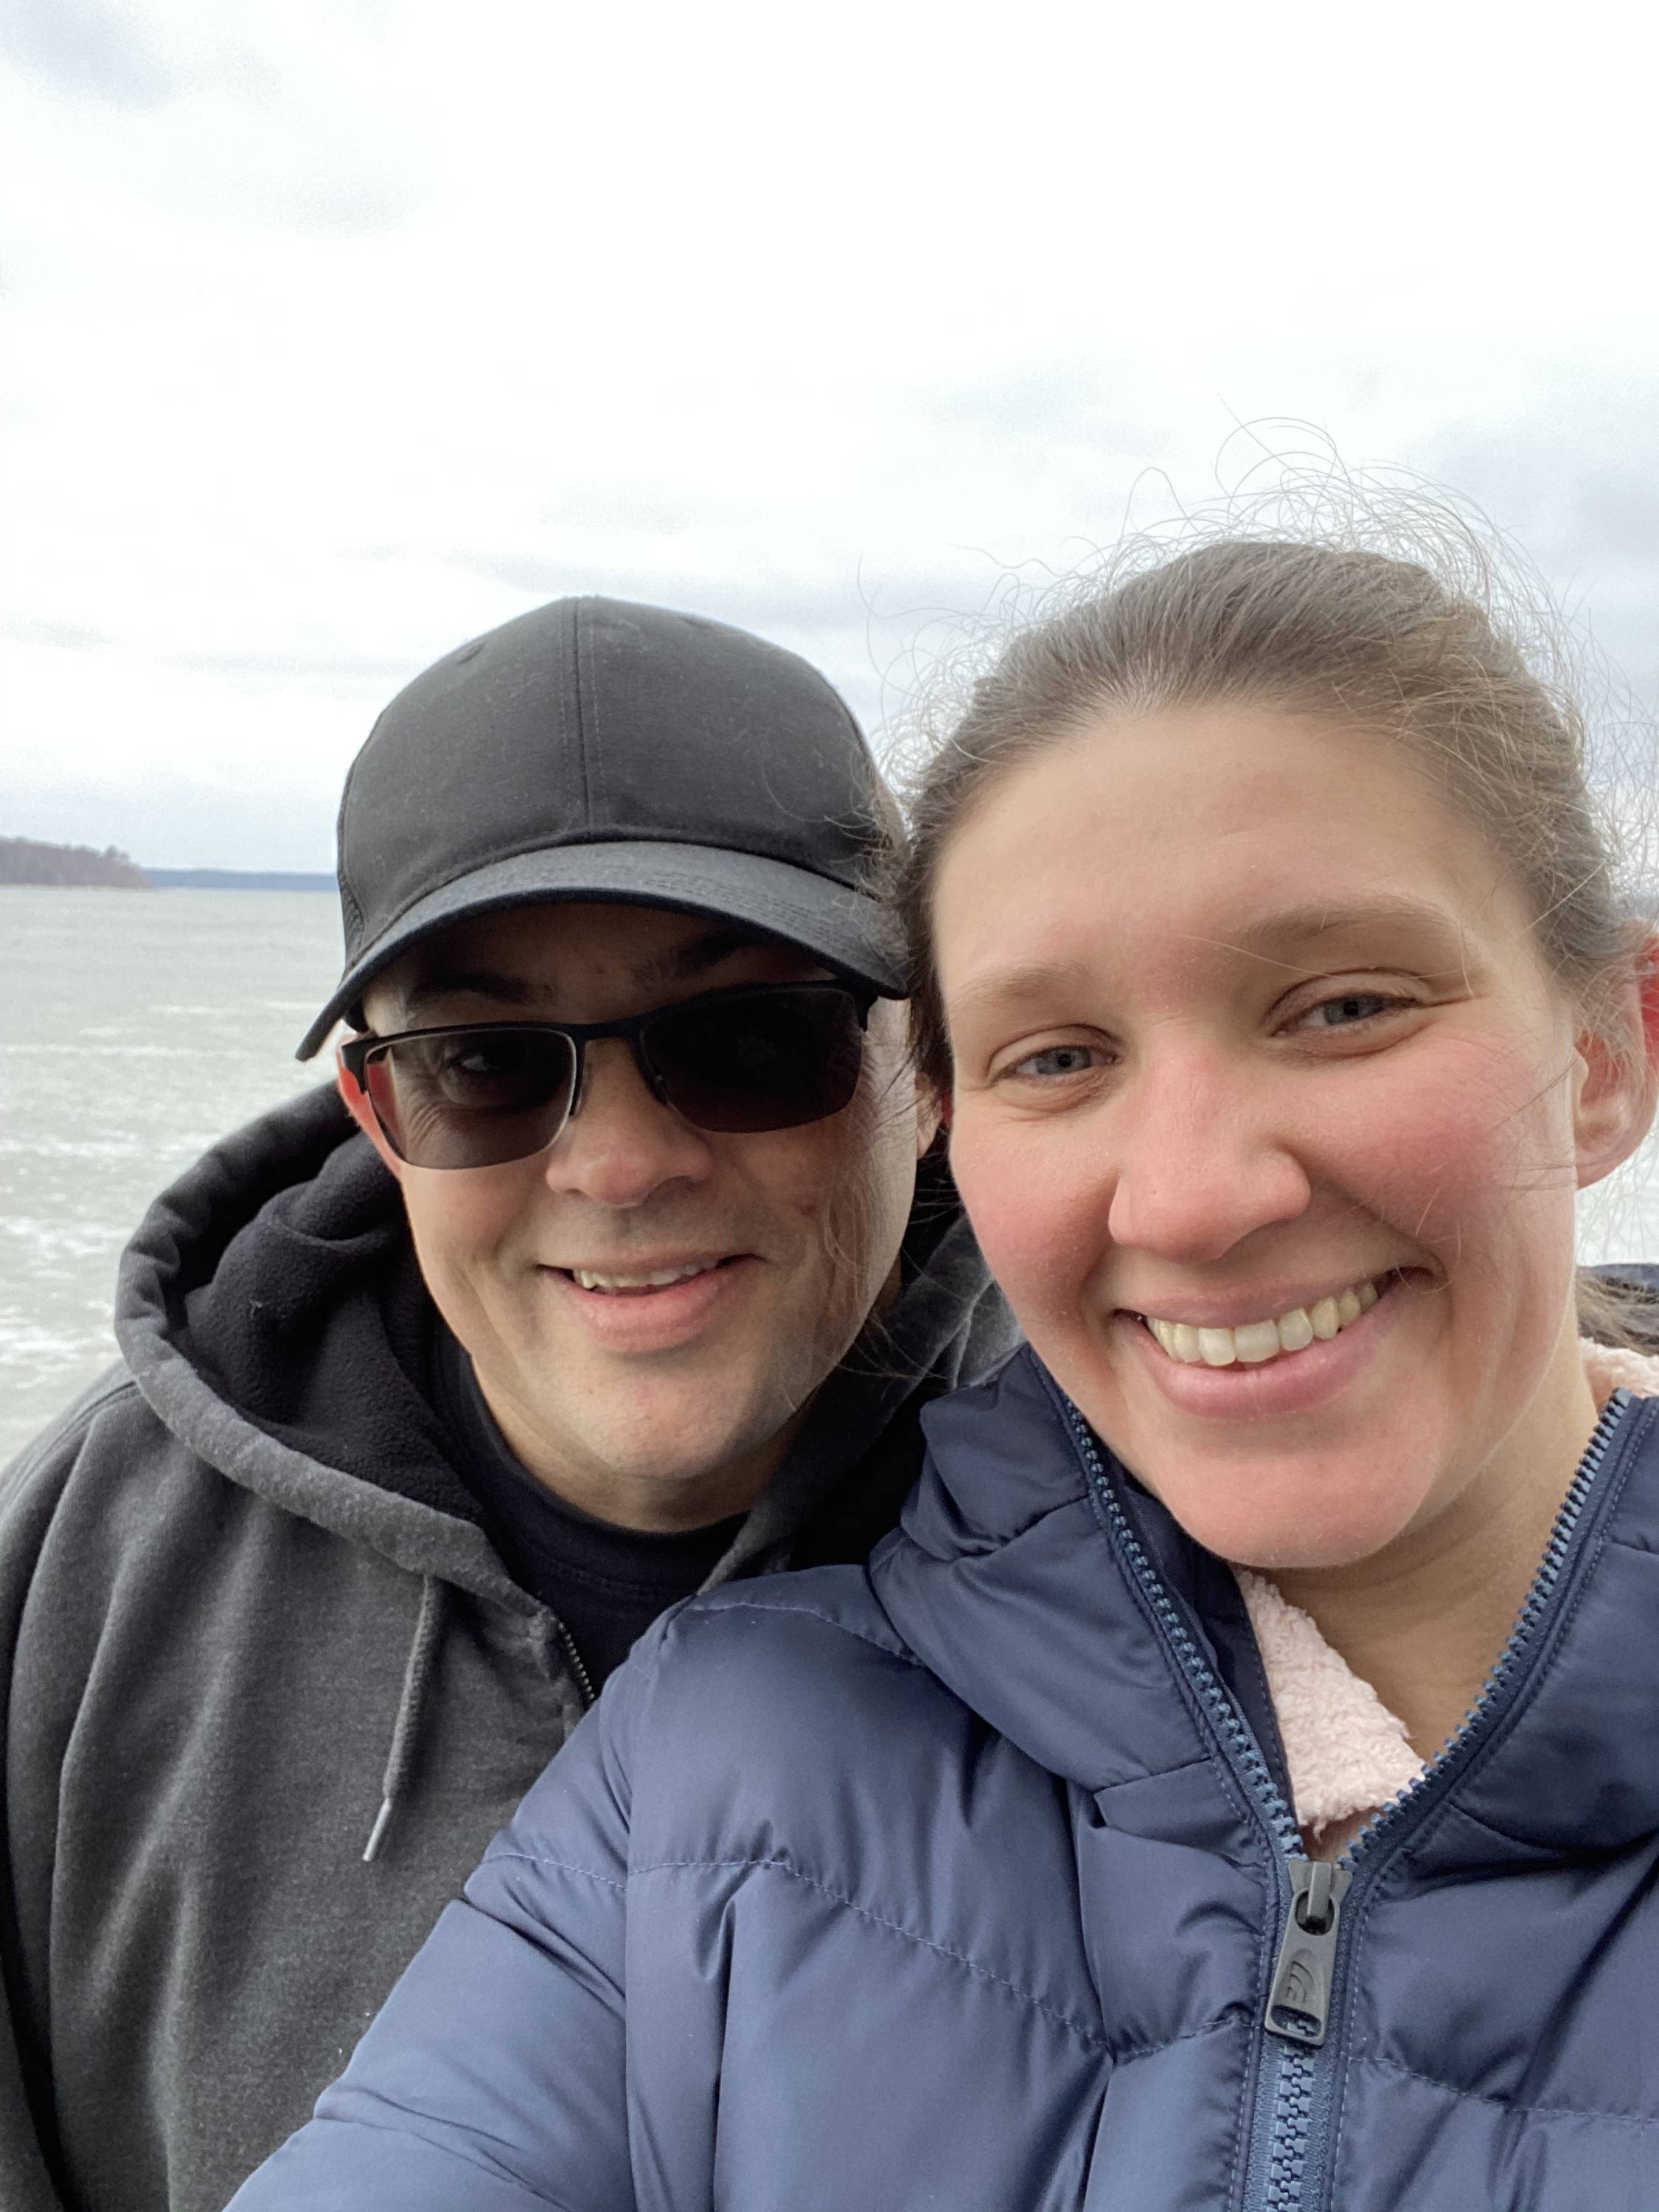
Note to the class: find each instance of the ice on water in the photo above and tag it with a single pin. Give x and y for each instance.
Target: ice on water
(138, 1027)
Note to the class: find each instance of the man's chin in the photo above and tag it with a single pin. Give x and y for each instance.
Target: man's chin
(668, 1464)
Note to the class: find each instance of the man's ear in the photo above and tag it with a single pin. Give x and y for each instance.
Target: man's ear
(1616, 1079)
(362, 1114)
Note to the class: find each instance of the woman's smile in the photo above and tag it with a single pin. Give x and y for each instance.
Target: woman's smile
(1356, 1327)
(1253, 1343)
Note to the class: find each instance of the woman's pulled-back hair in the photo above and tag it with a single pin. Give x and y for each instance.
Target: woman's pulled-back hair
(1423, 652)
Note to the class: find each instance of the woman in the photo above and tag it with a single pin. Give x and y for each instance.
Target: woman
(1237, 1783)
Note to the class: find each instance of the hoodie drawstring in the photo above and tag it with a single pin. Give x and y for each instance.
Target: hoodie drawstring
(405, 1733)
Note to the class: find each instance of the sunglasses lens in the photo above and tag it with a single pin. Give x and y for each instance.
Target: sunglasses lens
(772, 1060)
(455, 1099)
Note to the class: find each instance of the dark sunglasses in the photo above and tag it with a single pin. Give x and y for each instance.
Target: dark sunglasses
(477, 1096)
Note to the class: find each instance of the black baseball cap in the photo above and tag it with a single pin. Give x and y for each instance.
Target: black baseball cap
(599, 750)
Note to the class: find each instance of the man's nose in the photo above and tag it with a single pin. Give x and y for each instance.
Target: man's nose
(1203, 1158)
(623, 1144)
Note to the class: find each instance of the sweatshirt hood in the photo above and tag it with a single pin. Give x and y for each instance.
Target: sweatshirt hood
(259, 1308)
(271, 1312)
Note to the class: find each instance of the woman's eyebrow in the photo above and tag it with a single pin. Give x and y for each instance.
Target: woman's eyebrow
(1035, 979)
(1302, 929)
(1286, 937)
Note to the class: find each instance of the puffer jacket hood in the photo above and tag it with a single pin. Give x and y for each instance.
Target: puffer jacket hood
(967, 1880)
(271, 1688)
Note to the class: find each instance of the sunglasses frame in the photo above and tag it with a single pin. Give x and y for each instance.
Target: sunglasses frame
(355, 1052)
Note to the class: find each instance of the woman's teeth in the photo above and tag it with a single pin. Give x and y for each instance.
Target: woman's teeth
(1259, 1340)
(589, 1279)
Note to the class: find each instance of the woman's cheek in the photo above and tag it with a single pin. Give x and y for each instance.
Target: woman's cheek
(1038, 1212)
(1445, 1162)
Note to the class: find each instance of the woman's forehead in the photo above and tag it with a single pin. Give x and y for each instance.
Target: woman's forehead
(1245, 832)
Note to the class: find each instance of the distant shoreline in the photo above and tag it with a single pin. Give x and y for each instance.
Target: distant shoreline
(240, 879)
(77, 867)
(26, 860)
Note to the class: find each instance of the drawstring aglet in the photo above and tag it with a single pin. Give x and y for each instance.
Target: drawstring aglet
(405, 1733)
(382, 1822)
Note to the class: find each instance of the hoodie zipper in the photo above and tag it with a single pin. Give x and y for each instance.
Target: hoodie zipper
(1299, 2001)
(584, 1679)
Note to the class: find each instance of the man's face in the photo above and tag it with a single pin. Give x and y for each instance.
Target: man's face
(653, 1404)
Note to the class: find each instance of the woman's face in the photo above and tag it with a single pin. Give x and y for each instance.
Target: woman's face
(1252, 1044)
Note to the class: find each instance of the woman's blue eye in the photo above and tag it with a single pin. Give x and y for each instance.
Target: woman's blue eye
(1352, 1006)
(1058, 1060)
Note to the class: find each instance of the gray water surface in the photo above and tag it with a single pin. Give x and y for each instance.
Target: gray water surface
(139, 1026)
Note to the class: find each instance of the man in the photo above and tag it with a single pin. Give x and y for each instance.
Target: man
(613, 1280)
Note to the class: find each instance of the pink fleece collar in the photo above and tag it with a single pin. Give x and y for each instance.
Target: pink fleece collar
(1346, 1752)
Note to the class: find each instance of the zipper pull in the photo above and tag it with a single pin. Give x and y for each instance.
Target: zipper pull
(1299, 2003)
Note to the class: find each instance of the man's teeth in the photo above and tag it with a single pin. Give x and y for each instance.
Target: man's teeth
(659, 1280)
(1259, 1340)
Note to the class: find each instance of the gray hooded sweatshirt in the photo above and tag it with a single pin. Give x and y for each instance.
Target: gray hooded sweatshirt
(249, 1618)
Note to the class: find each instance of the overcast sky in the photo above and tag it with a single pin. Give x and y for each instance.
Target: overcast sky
(341, 330)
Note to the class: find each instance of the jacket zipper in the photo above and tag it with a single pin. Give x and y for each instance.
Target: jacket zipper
(1299, 1997)
(1557, 1554)
(1292, 2064)
(1297, 2012)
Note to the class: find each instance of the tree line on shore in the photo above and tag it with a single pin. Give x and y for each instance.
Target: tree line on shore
(24, 860)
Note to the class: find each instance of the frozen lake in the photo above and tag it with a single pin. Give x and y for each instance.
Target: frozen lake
(139, 1027)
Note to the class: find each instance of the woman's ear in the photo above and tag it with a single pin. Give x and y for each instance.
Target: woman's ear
(352, 1098)
(1616, 1079)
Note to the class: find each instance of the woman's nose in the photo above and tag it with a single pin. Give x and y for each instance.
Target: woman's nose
(1201, 1161)
(622, 1144)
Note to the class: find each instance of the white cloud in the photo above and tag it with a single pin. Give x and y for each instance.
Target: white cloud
(89, 49)
(340, 333)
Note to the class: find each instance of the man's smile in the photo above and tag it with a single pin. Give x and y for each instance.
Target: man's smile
(641, 1310)
(615, 1283)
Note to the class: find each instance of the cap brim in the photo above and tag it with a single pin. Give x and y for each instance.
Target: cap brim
(845, 929)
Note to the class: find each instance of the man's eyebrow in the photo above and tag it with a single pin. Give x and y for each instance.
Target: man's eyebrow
(661, 971)
(684, 963)
(436, 984)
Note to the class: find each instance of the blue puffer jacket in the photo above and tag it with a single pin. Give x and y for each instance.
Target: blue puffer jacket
(967, 1884)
